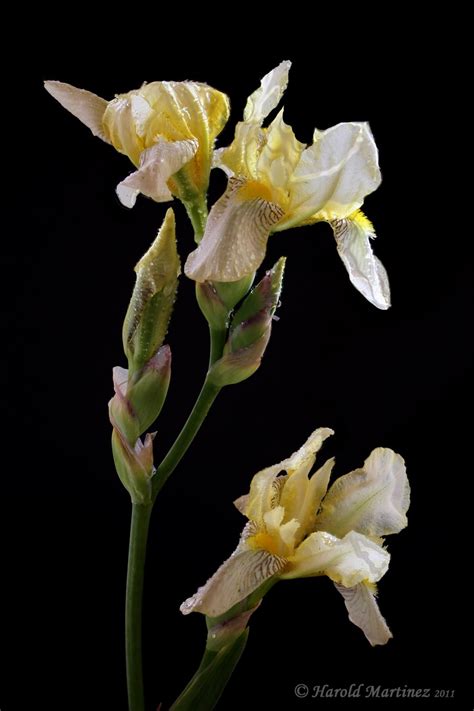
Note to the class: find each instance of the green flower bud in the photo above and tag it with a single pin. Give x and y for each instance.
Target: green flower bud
(149, 387)
(250, 331)
(217, 299)
(134, 465)
(137, 404)
(121, 413)
(149, 312)
(264, 297)
(231, 292)
(211, 305)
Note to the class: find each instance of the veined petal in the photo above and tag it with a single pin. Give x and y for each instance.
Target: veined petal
(364, 613)
(372, 500)
(241, 157)
(268, 95)
(186, 109)
(264, 495)
(125, 123)
(157, 165)
(280, 154)
(348, 561)
(280, 536)
(239, 576)
(236, 236)
(333, 175)
(267, 487)
(84, 105)
(295, 496)
(305, 456)
(366, 272)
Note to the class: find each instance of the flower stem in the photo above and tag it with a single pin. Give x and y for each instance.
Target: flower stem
(133, 604)
(139, 532)
(198, 414)
(197, 213)
(218, 336)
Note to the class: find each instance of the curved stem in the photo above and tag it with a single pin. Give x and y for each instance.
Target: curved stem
(202, 406)
(133, 604)
(198, 414)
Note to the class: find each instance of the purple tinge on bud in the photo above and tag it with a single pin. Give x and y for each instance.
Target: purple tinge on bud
(250, 331)
(121, 412)
(211, 305)
(134, 465)
(148, 388)
(223, 633)
(137, 404)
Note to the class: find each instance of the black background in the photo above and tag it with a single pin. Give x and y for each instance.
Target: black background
(395, 378)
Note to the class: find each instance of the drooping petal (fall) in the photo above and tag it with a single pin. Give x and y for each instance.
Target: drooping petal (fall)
(348, 561)
(157, 165)
(372, 500)
(366, 272)
(235, 238)
(268, 95)
(364, 613)
(333, 175)
(238, 577)
(84, 105)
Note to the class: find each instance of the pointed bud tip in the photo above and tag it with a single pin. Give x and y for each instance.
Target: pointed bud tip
(161, 360)
(276, 276)
(278, 268)
(163, 248)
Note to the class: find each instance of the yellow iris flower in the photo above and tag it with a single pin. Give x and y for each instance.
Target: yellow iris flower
(276, 182)
(298, 529)
(167, 129)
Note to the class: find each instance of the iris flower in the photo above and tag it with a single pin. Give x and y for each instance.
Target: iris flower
(276, 182)
(167, 129)
(296, 528)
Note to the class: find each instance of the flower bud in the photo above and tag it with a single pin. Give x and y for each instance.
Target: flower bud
(231, 292)
(250, 331)
(138, 402)
(147, 390)
(149, 312)
(217, 299)
(211, 305)
(134, 465)
(121, 413)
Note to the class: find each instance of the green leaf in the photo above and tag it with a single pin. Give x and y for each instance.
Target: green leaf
(207, 685)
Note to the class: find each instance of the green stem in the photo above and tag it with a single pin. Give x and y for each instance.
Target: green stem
(133, 604)
(198, 414)
(192, 425)
(218, 337)
(197, 213)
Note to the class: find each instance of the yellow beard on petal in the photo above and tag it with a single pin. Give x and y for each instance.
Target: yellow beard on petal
(253, 189)
(264, 541)
(362, 220)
